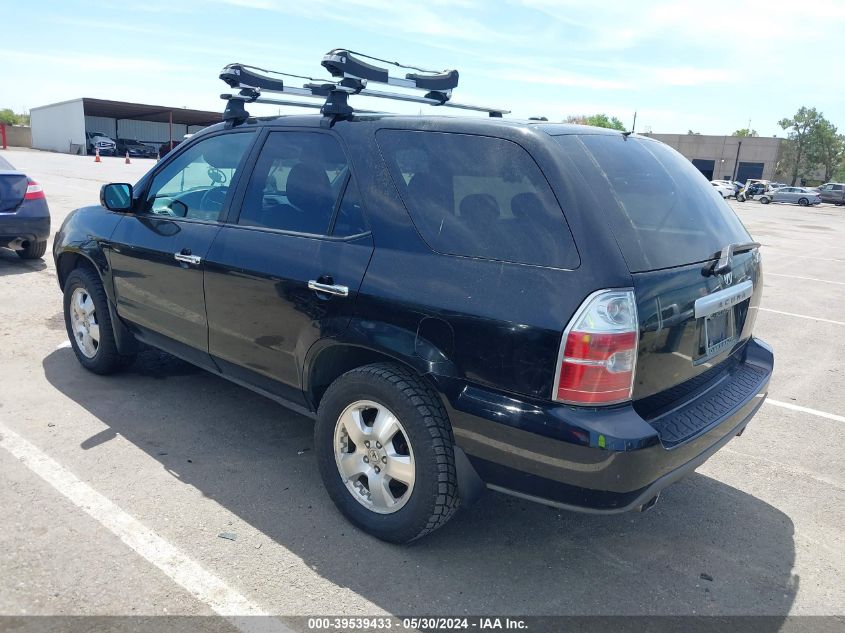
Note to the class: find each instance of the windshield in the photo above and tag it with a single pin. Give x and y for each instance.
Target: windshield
(662, 210)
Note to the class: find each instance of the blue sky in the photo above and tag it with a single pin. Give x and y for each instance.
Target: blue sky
(706, 66)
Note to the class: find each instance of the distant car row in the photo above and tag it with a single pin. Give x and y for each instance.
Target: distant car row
(136, 149)
(766, 192)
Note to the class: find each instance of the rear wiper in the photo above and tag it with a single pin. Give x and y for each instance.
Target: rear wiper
(723, 264)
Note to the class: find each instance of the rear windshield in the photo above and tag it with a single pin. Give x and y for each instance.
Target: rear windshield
(662, 210)
(478, 196)
(12, 191)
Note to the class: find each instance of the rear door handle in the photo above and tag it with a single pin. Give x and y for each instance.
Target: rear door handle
(188, 259)
(331, 289)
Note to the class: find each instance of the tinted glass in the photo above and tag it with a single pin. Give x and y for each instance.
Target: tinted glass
(478, 196)
(661, 209)
(296, 183)
(350, 215)
(12, 191)
(195, 184)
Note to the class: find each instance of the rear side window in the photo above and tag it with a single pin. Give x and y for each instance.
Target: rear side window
(297, 185)
(662, 210)
(478, 196)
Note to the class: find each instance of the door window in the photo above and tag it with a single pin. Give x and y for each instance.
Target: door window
(296, 184)
(195, 184)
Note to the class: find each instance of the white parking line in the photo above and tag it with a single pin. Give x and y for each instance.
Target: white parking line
(821, 259)
(824, 281)
(183, 570)
(802, 316)
(795, 407)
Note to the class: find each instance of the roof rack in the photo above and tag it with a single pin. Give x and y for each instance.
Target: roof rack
(352, 76)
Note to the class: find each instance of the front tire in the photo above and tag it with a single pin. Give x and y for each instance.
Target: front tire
(33, 250)
(88, 324)
(384, 447)
(764, 200)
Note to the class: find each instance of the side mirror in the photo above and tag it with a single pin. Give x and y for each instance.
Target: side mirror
(116, 196)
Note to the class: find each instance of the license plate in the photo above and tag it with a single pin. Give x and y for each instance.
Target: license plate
(719, 331)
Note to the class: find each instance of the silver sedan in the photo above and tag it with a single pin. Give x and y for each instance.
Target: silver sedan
(794, 195)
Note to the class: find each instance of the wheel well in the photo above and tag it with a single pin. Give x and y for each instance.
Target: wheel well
(332, 363)
(68, 262)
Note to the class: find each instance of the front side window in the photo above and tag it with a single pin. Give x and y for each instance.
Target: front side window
(297, 182)
(196, 183)
(478, 196)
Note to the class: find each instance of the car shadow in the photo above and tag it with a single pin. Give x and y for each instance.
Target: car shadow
(706, 548)
(11, 264)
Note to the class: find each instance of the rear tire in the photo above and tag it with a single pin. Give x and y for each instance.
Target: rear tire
(88, 324)
(352, 407)
(803, 202)
(33, 250)
(740, 198)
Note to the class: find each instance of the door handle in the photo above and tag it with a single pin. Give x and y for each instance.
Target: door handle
(330, 289)
(188, 259)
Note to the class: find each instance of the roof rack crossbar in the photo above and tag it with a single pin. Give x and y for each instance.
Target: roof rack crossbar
(285, 102)
(353, 77)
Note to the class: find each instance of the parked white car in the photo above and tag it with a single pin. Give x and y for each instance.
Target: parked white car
(725, 190)
(99, 141)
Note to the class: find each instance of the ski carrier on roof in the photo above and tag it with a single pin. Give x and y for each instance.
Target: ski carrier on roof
(352, 76)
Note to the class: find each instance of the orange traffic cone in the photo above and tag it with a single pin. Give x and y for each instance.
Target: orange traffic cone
(127, 158)
(97, 156)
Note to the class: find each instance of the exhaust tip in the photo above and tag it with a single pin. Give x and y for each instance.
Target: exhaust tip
(18, 244)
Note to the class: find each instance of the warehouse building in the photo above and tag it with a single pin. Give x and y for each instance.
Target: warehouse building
(728, 157)
(61, 127)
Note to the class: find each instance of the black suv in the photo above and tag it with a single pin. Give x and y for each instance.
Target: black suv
(558, 312)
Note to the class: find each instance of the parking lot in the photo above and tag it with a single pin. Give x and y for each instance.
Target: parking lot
(117, 488)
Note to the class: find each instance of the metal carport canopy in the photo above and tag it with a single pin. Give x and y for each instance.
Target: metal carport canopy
(145, 112)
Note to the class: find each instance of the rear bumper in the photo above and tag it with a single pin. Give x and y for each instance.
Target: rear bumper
(602, 461)
(18, 226)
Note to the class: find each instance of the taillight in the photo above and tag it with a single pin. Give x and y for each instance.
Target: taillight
(34, 191)
(598, 352)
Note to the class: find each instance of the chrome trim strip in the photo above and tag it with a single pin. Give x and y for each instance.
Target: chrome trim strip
(723, 299)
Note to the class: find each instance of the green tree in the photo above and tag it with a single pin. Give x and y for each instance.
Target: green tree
(8, 117)
(745, 132)
(597, 120)
(800, 130)
(826, 147)
(839, 172)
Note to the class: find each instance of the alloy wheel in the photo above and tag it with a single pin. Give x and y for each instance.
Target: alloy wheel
(374, 456)
(83, 320)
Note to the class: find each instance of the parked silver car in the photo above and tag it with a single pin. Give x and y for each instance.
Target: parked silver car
(833, 192)
(794, 195)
